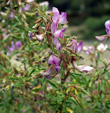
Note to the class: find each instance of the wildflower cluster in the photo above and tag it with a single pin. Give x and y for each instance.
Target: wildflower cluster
(41, 66)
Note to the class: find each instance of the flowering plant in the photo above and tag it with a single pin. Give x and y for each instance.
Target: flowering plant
(42, 71)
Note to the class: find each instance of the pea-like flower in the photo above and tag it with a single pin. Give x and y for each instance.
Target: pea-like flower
(29, 1)
(62, 19)
(77, 48)
(11, 15)
(14, 47)
(101, 47)
(57, 33)
(107, 27)
(102, 38)
(26, 7)
(85, 68)
(11, 49)
(45, 4)
(18, 45)
(53, 60)
(88, 49)
(51, 71)
(57, 43)
(40, 37)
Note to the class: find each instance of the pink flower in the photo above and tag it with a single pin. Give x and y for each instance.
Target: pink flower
(101, 38)
(11, 49)
(57, 33)
(30, 34)
(85, 68)
(12, 15)
(53, 27)
(18, 45)
(14, 47)
(29, 1)
(26, 7)
(53, 60)
(57, 43)
(48, 73)
(51, 71)
(45, 4)
(107, 27)
(40, 37)
(88, 49)
(101, 47)
(59, 18)
(77, 48)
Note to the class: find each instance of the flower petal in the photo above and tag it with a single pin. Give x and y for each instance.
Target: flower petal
(79, 47)
(53, 60)
(101, 47)
(40, 37)
(56, 14)
(101, 38)
(18, 45)
(57, 69)
(85, 68)
(59, 33)
(107, 27)
(53, 27)
(63, 18)
(45, 4)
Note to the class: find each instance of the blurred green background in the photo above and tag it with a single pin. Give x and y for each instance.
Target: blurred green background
(86, 18)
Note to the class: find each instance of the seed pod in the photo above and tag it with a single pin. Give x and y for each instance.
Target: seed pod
(38, 21)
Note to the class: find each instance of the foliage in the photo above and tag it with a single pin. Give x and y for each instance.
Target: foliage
(40, 67)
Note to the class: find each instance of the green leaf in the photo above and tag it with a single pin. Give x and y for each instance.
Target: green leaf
(31, 73)
(52, 84)
(77, 74)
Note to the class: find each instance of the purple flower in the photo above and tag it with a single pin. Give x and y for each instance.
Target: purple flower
(57, 33)
(56, 14)
(107, 27)
(18, 45)
(45, 4)
(88, 49)
(11, 49)
(14, 47)
(57, 68)
(101, 38)
(59, 18)
(53, 60)
(57, 43)
(48, 73)
(12, 15)
(26, 7)
(77, 48)
(30, 34)
(63, 18)
(53, 27)
(51, 71)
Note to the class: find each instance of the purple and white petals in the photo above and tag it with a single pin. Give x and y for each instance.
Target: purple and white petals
(53, 60)
(107, 27)
(102, 38)
(102, 48)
